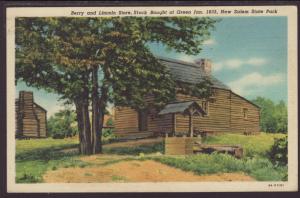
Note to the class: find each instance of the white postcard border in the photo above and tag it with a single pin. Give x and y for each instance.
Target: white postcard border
(291, 185)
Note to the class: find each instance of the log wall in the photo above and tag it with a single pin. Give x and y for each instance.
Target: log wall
(218, 118)
(126, 122)
(42, 120)
(238, 122)
(30, 118)
(225, 114)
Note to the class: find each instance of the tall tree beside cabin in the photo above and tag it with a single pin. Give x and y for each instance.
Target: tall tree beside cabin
(31, 118)
(224, 110)
(105, 60)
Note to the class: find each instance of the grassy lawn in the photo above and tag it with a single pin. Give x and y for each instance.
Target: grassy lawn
(253, 145)
(34, 157)
(254, 162)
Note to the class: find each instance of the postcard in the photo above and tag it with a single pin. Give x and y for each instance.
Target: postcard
(152, 99)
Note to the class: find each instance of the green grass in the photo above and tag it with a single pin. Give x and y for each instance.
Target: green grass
(146, 149)
(254, 162)
(35, 156)
(259, 168)
(253, 145)
(118, 178)
(33, 144)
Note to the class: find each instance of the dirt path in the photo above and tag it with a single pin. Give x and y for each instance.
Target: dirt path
(133, 171)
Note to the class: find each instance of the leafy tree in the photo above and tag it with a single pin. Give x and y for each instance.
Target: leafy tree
(273, 117)
(92, 61)
(279, 152)
(62, 124)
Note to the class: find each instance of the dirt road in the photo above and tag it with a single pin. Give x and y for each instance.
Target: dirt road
(133, 171)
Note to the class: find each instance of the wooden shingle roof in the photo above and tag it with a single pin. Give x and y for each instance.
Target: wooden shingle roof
(189, 72)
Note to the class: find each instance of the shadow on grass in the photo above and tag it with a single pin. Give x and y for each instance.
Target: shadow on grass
(146, 149)
(31, 165)
(46, 154)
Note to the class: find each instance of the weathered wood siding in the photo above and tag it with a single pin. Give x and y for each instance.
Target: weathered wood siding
(179, 145)
(157, 124)
(31, 119)
(17, 118)
(238, 122)
(29, 122)
(126, 120)
(42, 120)
(225, 114)
(218, 118)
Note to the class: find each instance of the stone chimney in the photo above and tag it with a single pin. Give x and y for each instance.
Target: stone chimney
(205, 65)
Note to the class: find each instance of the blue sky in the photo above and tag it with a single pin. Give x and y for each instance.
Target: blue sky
(248, 53)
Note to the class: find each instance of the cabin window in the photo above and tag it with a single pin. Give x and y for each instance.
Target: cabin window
(142, 120)
(245, 113)
(205, 107)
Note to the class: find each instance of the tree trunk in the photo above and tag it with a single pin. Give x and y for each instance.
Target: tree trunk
(84, 126)
(96, 130)
(87, 141)
(79, 123)
(102, 106)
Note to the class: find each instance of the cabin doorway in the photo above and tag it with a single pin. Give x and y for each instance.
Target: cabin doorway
(142, 120)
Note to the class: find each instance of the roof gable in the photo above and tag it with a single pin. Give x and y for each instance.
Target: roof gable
(189, 72)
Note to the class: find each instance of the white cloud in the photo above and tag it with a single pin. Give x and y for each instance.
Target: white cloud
(236, 63)
(217, 66)
(233, 63)
(256, 61)
(210, 42)
(255, 81)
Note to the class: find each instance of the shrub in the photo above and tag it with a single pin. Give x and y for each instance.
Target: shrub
(62, 124)
(273, 116)
(278, 152)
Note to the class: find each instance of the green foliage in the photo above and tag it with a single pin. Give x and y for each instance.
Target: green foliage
(62, 124)
(273, 117)
(259, 168)
(146, 149)
(279, 152)
(110, 122)
(34, 157)
(53, 54)
(59, 56)
(256, 145)
(28, 178)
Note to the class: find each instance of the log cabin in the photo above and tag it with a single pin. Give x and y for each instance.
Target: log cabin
(223, 112)
(31, 118)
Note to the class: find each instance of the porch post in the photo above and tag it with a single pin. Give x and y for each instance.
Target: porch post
(191, 124)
